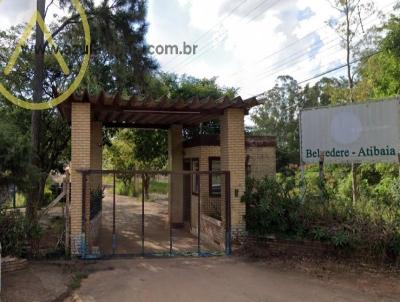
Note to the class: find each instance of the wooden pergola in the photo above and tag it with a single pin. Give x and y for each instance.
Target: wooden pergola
(87, 114)
(136, 112)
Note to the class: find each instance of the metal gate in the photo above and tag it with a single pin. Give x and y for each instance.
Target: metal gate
(118, 225)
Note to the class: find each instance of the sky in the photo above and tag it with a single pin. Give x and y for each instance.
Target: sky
(244, 43)
(248, 43)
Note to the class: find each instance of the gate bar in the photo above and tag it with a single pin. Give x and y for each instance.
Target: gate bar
(142, 214)
(228, 231)
(198, 219)
(170, 236)
(85, 242)
(151, 172)
(114, 236)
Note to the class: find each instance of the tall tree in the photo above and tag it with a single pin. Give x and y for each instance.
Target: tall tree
(150, 152)
(279, 116)
(120, 61)
(381, 73)
(38, 80)
(14, 164)
(119, 155)
(186, 87)
(351, 31)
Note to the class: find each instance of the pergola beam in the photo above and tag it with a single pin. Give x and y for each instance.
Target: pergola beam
(136, 126)
(148, 111)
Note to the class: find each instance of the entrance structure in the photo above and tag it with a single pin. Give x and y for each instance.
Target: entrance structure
(87, 114)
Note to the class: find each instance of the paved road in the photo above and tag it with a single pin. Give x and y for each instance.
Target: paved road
(225, 279)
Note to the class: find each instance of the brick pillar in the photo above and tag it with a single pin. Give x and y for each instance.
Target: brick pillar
(80, 159)
(175, 163)
(96, 154)
(233, 159)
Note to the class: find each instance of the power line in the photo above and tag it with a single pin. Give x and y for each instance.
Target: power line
(339, 67)
(189, 60)
(291, 62)
(275, 68)
(331, 70)
(214, 26)
(278, 51)
(216, 41)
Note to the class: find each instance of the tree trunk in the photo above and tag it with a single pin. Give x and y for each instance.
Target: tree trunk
(38, 79)
(348, 55)
(351, 98)
(354, 182)
(134, 186)
(146, 186)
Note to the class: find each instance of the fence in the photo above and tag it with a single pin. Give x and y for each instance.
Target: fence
(127, 229)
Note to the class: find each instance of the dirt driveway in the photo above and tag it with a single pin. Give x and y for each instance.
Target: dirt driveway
(227, 279)
(128, 228)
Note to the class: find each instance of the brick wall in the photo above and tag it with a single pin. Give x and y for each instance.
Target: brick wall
(11, 264)
(267, 247)
(80, 159)
(261, 161)
(233, 158)
(212, 232)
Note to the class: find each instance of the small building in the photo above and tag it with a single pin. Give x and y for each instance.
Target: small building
(207, 174)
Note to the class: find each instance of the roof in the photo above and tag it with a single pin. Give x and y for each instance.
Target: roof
(137, 112)
(261, 141)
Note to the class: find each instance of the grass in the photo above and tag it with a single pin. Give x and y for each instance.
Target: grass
(159, 187)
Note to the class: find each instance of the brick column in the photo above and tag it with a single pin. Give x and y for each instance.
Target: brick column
(80, 159)
(175, 163)
(233, 159)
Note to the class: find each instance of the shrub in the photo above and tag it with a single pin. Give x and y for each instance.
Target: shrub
(372, 226)
(15, 231)
(159, 187)
(126, 188)
(270, 208)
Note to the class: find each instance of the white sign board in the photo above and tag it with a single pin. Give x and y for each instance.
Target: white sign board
(355, 133)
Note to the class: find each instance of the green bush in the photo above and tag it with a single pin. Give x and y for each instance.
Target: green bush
(128, 189)
(277, 207)
(15, 230)
(158, 187)
(270, 208)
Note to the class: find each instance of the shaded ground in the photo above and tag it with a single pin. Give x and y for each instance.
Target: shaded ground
(40, 282)
(128, 224)
(229, 279)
